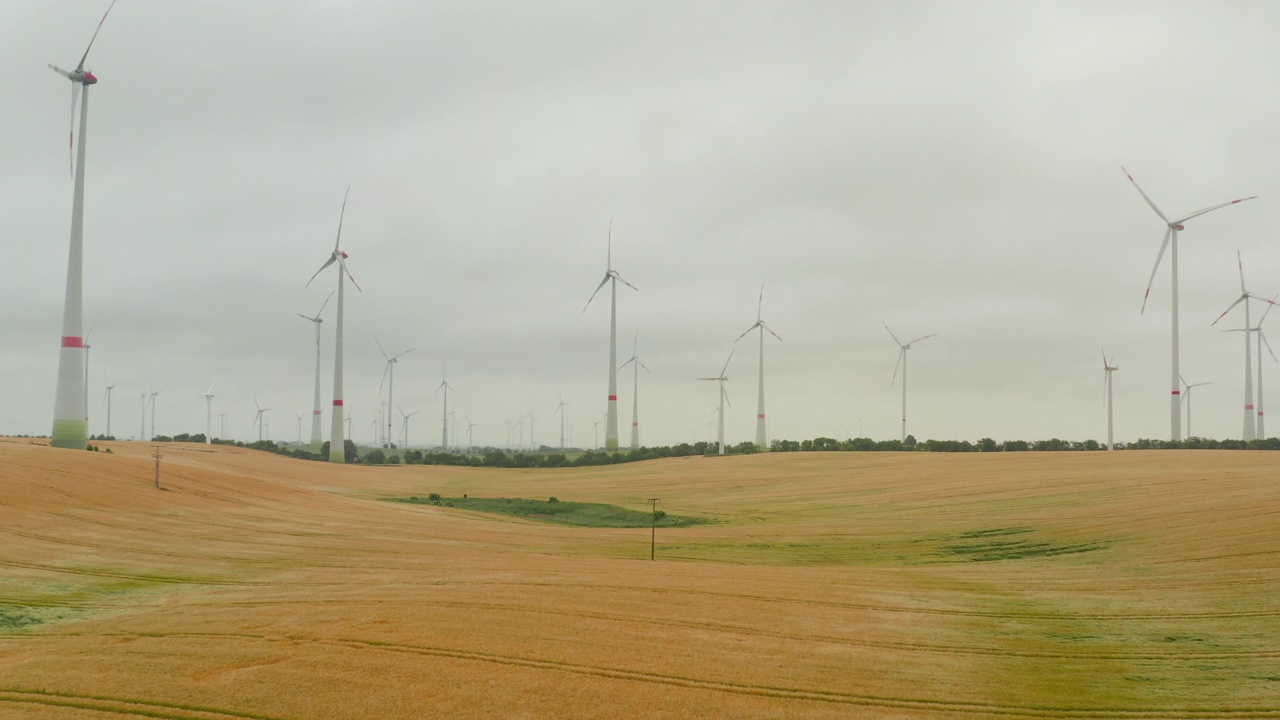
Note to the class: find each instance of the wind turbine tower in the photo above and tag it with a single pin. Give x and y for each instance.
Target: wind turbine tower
(1108, 367)
(560, 409)
(612, 277)
(762, 441)
(1250, 417)
(208, 413)
(337, 451)
(724, 398)
(315, 405)
(70, 428)
(1186, 395)
(389, 375)
(1171, 243)
(635, 394)
(108, 394)
(902, 362)
(444, 412)
(258, 419)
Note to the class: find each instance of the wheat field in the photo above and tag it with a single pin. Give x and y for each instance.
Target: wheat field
(830, 585)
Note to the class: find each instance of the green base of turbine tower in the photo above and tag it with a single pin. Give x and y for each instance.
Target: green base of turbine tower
(70, 434)
(611, 445)
(337, 457)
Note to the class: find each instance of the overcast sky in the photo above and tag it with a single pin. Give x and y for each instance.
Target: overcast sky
(949, 168)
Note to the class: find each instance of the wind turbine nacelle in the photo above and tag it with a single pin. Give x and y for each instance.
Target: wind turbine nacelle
(345, 255)
(84, 77)
(1179, 226)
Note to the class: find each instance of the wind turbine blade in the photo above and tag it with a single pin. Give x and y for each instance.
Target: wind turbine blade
(326, 264)
(406, 352)
(60, 71)
(384, 352)
(634, 342)
(1224, 312)
(1264, 342)
(760, 305)
(609, 256)
(304, 317)
(1144, 195)
(597, 290)
(255, 403)
(1104, 362)
(210, 390)
(725, 393)
(323, 304)
(895, 337)
(901, 353)
(1240, 265)
(342, 263)
(1159, 256)
(95, 35)
(744, 332)
(342, 215)
(71, 135)
(726, 362)
(706, 378)
(1270, 304)
(926, 337)
(385, 370)
(771, 332)
(642, 365)
(633, 357)
(624, 282)
(1198, 213)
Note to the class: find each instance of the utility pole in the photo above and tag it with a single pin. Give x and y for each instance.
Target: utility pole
(157, 456)
(653, 528)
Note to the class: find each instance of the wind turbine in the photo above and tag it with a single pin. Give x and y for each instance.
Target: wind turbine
(86, 375)
(299, 416)
(611, 421)
(70, 427)
(337, 451)
(444, 411)
(724, 397)
(635, 394)
(1262, 340)
(153, 411)
(560, 409)
(1250, 419)
(762, 442)
(208, 413)
(469, 426)
(389, 375)
(257, 419)
(404, 424)
(315, 406)
(1171, 243)
(1186, 394)
(108, 394)
(902, 361)
(142, 429)
(1107, 369)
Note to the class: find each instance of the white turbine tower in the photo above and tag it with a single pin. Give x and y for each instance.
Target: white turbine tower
(762, 442)
(560, 409)
(208, 413)
(70, 428)
(404, 425)
(108, 396)
(389, 377)
(1250, 418)
(724, 397)
(337, 449)
(142, 429)
(444, 411)
(315, 405)
(611, 419)
(1186, 395)
(153, 411)
(469, 426)
(635, 395)
(1261, 433)
(258, 419)
(86, 376)
(1171, 243)
(902, 362)
(299, 417)
(1108, 367)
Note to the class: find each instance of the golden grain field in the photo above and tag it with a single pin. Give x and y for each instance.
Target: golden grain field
(832, 585)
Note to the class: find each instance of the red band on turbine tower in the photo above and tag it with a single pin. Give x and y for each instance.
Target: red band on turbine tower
(315, 412)
(760, 416)
(1177, 392)
(1248, 407)
(72, 341)
(613, 398)
(337, 403)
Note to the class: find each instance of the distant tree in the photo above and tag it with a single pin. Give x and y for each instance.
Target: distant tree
(910, 441)
(987, 445)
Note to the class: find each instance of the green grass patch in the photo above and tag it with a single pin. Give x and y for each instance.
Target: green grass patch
(581, 514)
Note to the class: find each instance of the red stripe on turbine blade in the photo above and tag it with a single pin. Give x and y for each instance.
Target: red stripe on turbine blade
(613, 398)
(337, 403)
(72, 341)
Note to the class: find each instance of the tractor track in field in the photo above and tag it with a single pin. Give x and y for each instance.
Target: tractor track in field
(148, 709)
(130, 707)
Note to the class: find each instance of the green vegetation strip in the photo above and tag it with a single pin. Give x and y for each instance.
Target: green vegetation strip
(581, 514)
